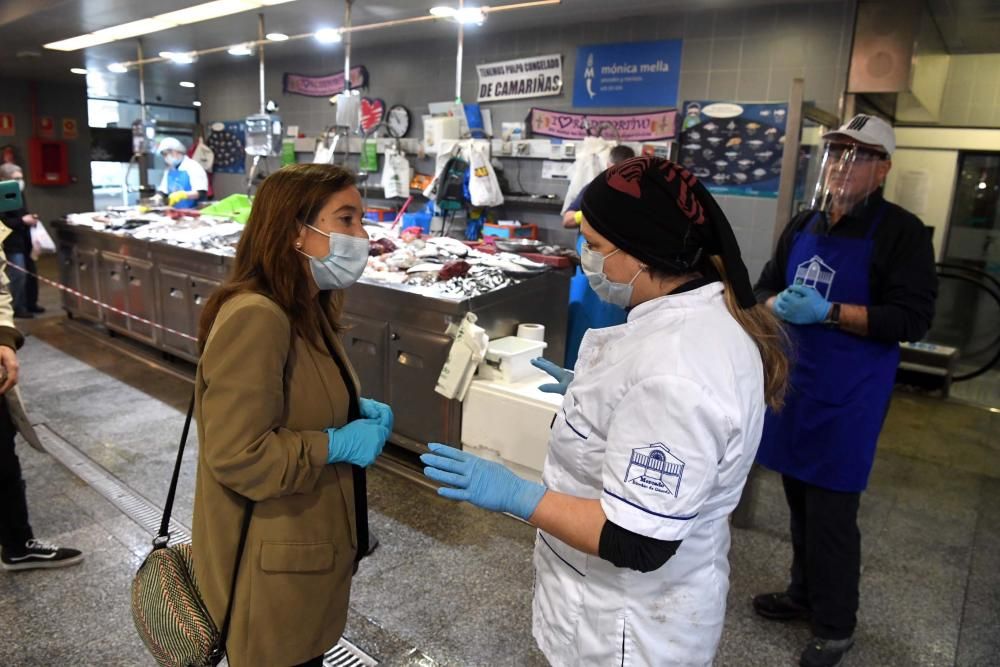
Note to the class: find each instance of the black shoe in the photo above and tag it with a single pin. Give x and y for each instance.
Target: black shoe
(825, 652)
(37, 310)
(23, 314)
(38, 555)
(780, 607)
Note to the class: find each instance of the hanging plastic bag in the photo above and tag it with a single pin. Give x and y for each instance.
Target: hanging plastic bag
(349, 110)
(484, 189)
(445, 153)
(41, 242)
(591, 159)
(368, 160)
(323, 151)
(203, 155)
(396, 174)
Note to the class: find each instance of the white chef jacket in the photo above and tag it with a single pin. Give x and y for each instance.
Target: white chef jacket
(661, 423)
(196, 174)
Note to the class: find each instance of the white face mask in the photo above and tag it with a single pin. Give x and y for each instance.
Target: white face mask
(345, 263)
(592, 263)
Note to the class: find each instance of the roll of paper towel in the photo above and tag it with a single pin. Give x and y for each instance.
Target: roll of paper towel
(531, 332)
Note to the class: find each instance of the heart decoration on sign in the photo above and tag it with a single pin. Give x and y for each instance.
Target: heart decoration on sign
(372, 113)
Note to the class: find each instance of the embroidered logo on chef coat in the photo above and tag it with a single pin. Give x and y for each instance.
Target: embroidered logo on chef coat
(816, 273)
(656, 469)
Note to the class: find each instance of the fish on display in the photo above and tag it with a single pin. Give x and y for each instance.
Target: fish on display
(732, 155)
(740, 177)
(693, 135)
(715, 141)
(731, 126)
(734, 141)
(701, 172)
(754, 144)
(758, 172)
(720, 178)
(771, 133)
(708, 154)
(779, 113)
(765, 155)
(752, 128)
(711, 127)
(744, 163)
(691, 148)
(721, 164)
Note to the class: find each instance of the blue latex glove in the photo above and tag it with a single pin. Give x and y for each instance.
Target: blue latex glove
(483, 483)
(380, 412)
(800, 304)
(359, 442)
(562, 376)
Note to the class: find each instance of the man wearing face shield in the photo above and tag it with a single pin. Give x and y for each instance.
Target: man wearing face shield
(185, 182)
(852, 277)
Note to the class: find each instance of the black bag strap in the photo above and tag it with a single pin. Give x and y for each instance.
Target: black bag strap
(163, 537)
(359, 474)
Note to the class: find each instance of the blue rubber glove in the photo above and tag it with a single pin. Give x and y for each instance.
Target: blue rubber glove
(380, 412)
(562, 376)
(483, 483)
(359, 442)
(800, 304)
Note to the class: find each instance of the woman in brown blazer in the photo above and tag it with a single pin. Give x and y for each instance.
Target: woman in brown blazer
(280, 423)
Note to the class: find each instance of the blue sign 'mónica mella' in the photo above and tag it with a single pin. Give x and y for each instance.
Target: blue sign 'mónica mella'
(632, 74)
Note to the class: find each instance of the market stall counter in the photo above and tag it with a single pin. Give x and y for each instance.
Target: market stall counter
(396, 322)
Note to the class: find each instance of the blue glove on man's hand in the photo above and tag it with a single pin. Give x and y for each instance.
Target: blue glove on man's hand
(380, 412)
(562, 376)
(800, 304)
(359, 442)
(483, 483)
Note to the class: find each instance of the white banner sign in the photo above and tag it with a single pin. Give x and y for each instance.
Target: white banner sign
(539, 76)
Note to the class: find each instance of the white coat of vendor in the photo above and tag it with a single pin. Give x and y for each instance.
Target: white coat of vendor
(184, 182)
(658, 428)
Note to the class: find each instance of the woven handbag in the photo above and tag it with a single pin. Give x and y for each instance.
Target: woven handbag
(167, 608)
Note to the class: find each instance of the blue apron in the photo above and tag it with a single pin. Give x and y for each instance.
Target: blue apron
(178, 180)
(586, 311)
(841, 384)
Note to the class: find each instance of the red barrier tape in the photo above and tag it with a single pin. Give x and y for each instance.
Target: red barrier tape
(118, 311)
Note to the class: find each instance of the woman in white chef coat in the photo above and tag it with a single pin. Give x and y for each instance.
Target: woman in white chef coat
(656, 435)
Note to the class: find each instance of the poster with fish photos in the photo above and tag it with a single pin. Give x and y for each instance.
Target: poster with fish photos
(734, 148)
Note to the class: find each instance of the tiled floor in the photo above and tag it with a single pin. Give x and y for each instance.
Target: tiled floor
(454, 583)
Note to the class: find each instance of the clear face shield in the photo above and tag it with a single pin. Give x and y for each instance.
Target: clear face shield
(848, 174)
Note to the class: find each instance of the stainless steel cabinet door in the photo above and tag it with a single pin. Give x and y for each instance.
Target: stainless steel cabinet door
(67, 275)
(114, 289)
(174, 292)
(415, 361)
(141, 298)
(365, 341)
(201, 289)
(88, 277)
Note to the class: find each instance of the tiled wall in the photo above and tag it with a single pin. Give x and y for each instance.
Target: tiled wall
(58, 101)
(740, 54)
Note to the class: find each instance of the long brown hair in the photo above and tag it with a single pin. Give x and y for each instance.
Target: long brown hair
(770, 336)
(266, 260)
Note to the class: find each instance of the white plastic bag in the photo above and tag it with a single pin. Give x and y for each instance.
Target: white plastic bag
(463, 359)
(484, 189)
(323, 152)
(396, 174)
(349, 111)
(591, 159)
(203, 155)
(41, 242)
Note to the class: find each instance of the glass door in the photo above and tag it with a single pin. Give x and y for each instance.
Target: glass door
(968, 316)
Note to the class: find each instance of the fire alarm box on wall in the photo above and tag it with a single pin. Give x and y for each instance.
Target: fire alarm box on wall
(49, 162)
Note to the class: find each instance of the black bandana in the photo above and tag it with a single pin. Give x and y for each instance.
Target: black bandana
(656, 211)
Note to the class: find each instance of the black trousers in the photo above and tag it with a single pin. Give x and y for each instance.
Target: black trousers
(826, 560)
(14, 527)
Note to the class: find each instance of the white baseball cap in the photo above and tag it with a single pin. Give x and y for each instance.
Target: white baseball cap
(868, 130)
(171, 144)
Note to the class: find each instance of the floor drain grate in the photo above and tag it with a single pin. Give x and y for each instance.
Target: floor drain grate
(148, 515)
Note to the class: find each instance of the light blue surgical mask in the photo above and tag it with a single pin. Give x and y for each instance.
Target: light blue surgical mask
(173, 160)
(344, 265)
(592, 263)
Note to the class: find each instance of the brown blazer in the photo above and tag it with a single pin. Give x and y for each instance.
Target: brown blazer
(263, 398)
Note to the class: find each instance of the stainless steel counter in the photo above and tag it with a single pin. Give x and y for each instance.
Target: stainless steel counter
(396, 340)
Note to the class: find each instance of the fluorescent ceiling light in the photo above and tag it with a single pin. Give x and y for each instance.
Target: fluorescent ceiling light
(443, 12)
(328, 36)
(196, 14)
(470, 15)
(166, 54)
(117, 68)
(196, 103)
(182, 58)
(187, 84)
(276, 36)
(78, 70)
(240, 50)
